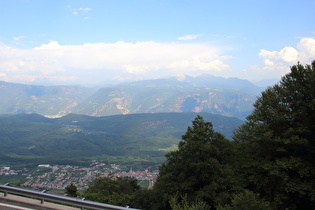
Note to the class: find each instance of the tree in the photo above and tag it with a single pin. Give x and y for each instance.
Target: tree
(110, 190)
(71, 190)
(200, 169)
(246, 200)
(277, 141)
(183, 204)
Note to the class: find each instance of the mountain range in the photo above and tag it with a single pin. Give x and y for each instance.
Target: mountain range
(230, 97)
(132, 124)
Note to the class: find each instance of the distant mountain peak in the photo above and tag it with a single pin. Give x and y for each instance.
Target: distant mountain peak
(180, 77)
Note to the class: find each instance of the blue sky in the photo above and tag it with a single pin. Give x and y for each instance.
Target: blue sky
(93, 41)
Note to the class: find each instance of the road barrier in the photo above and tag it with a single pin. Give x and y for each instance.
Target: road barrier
(76, 202)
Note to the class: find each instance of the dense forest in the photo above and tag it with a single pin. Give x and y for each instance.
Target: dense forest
(139, 141)
(269, 164)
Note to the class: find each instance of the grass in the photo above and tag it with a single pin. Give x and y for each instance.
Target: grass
(14, 180)
(144, 184)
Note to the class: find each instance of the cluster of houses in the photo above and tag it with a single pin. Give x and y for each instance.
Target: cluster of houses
(6, 170)
(60, 176)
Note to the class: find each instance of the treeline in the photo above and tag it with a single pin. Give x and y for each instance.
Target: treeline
(270, 164)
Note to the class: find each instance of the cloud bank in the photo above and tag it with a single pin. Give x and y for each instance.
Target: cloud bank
(304, 52)
(97, 62)
(100, 61)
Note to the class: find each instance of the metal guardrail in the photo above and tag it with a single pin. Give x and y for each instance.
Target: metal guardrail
(58, 199)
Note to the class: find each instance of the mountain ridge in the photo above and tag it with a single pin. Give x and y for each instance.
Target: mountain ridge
(205, 93)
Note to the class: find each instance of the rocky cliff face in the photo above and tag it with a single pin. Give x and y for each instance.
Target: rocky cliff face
(169, 96)
(229, 97)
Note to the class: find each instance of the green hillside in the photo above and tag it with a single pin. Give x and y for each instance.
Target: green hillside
(140, 140)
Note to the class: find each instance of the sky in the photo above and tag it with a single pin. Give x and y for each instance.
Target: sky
(97, 41)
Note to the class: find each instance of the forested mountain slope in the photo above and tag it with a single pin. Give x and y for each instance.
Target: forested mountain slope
(142, 138)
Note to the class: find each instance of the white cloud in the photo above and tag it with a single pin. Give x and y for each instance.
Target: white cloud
(201, 62)
(279, 61)
(85, 9)
(103, 60)
(18, 38)
(269, 62)
(304, 52)
(307, 49)
(81, 10)
(189, 37)
(135, 69)
(287, 54)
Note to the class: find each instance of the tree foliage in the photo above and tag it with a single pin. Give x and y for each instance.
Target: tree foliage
(115, 191)
(199, 168)
(247, 200)
(184, 204)
(277, 141)
(71, 190)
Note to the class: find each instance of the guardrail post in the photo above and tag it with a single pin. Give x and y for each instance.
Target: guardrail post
(5, 193)
(42, 200)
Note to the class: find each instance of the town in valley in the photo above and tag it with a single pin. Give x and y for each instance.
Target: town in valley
(57, 177)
